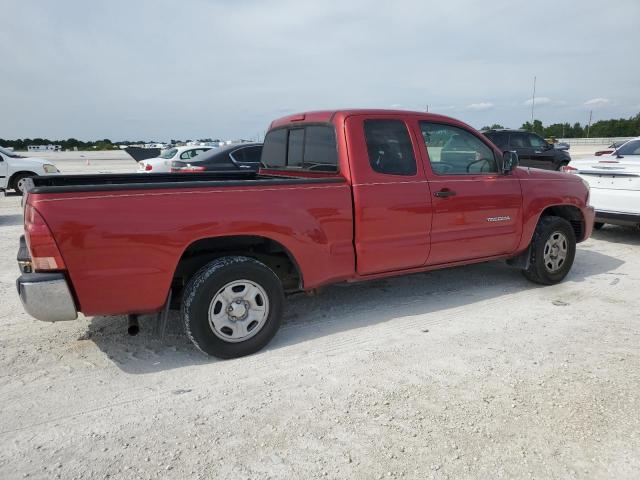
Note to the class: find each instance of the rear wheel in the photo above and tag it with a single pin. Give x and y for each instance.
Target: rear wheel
(598, 225)
(553, 248)
(232, 307)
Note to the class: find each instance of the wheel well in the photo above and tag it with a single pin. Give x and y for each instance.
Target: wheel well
(17, 174)
(267, 251)
(571, 214)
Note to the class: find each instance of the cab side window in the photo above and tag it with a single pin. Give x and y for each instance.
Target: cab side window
(389, 147)
(455, 151)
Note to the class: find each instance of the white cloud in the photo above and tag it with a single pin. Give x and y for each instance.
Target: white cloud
(597, 102)
(480, 106)
(539, 101)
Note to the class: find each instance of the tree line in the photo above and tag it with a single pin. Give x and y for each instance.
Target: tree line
(68, 144)
(71, 143)
(615, 127)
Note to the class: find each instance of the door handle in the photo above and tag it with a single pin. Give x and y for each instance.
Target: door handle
(444, 193)
(537, 151)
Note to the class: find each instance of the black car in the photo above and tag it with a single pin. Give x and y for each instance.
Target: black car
(230, 158)
(532, 149)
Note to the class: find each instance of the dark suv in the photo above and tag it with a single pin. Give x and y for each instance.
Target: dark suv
(532, 149)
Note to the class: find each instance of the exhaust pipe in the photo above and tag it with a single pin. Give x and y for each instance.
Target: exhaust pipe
(133, 327)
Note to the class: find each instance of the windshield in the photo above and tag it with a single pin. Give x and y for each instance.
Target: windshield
(632, 147)
(169, 153)
(8, 153)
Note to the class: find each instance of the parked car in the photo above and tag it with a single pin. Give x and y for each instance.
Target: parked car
(342, 196)
(615, 184)
(533, 150)
(613, 147)
(15, 169)
(245, 156)
(162, 163)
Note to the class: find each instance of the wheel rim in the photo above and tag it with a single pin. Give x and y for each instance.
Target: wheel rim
(238, 311)
(555, 252)
(20, 184)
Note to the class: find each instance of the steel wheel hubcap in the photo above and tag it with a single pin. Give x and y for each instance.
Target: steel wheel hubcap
(21, 183)
(555, 252)
(238, 311)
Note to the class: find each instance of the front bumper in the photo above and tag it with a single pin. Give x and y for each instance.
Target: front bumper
(44, 296)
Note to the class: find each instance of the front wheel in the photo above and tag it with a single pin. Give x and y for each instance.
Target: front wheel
(19, 181)
(553, 248)
(232, 307)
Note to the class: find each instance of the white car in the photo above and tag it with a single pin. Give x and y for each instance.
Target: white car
(162, 163)
(615, 184)
(15, 169)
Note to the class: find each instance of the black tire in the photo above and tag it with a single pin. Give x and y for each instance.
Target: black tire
(15, 181)
(539, 271)
(199, 294)
(598, 225)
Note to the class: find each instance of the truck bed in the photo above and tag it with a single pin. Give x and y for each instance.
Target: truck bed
(138, 181)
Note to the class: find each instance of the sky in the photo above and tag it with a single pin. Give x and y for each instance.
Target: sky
(161, 70)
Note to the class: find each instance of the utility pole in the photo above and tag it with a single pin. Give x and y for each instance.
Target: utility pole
(427, 110)
(589, 125)
(533, 100)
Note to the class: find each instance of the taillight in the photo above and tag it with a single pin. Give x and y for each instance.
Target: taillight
(148, 167)
(40, 242)
(568, 169)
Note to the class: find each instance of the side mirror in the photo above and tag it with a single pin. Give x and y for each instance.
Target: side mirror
(509, 161)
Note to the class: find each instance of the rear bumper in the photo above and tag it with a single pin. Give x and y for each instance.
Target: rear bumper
(617, 218)
(44, 296)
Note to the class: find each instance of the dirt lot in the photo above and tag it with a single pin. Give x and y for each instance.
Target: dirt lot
(463, 373)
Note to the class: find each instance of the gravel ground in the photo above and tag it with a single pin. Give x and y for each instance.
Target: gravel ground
(466, 373)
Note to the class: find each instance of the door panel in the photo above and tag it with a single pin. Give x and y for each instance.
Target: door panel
(392, 211)
(482, 219)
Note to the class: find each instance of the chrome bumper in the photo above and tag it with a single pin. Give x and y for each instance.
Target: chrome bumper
(46, 296)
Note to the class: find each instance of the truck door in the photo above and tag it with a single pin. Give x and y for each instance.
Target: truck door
(477, 211)
(543, 155)
(392, 203)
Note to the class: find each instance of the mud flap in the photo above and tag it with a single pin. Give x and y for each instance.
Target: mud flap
(522, 261)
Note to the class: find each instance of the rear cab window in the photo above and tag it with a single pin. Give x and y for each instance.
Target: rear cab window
(309, 148)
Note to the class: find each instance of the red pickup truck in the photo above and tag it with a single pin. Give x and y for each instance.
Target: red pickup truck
(342, 196)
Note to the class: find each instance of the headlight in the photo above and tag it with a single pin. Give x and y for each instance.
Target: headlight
(48, 168)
